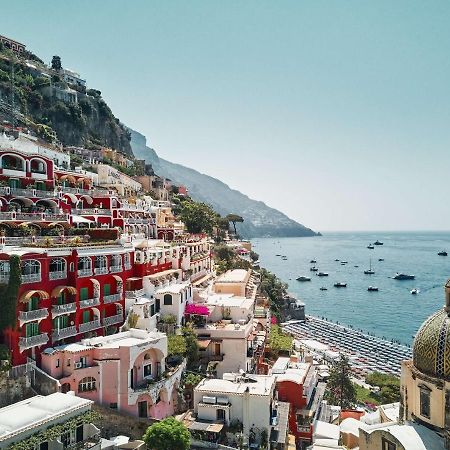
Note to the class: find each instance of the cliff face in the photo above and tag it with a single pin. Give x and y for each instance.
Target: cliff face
(259, 219)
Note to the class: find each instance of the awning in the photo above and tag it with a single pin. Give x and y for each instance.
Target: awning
(162, 274)
(26, 296)
(202, 280)
(58, 289)
(203, 343)
(118, 279)
(88, 199)
(72, 197)
(26, 201)
(68, 178)
(80, 219)
(205, 426)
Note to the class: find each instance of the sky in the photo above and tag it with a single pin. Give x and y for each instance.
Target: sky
(335, 112)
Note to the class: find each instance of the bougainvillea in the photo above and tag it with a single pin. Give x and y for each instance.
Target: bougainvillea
(200, 310)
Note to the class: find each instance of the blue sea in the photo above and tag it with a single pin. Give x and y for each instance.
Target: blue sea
(392, 312)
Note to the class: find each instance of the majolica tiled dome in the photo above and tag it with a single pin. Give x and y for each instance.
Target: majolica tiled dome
(431, 351)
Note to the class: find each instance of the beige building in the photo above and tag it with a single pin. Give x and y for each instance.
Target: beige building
(114, 179)
(236, 282)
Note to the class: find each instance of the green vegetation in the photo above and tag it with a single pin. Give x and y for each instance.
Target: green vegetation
(234, 218)
(227, 259)
(192, 379)
(169, 434)
(279, 341)
(9, 294)
(198, 217)
(176, 345)
(192, 351)
(340, 389)
(363, 395)
(389, 386)
(275, 290)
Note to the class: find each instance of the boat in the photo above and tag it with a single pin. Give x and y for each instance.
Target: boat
(313, 269)
(414, 291)
(380, 259)
(403, 276)
(369, 271)
(371, 246)
(340, 285)
(377, 242)
(336, 260)
(313, 261)
(284, 258)
(302, 278)
(323, 288)
(344, 262)
(372, 289)
(322, 274)
(443, 253)
(277, 255)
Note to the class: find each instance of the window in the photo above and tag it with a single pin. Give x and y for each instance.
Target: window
(4, 270)
(220, 414)
(31, 271)
(57, 363)
(126, 259)
(84, 293)
(167, 299)
(31, 329)
(58, 265)
(387, 445)
(86, 316)
(158, 305)
(83, 361)
(85, 264)
(87, 384)
(148, 370)
(425, 401)
(101, 262)
(106, 289)
(116, 261)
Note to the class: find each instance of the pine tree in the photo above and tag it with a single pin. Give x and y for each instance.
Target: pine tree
(340, 390)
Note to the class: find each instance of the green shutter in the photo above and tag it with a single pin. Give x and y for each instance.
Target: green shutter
(31, 329)
(33, 304)
(86, 316)
(106, 289)
(84, 293)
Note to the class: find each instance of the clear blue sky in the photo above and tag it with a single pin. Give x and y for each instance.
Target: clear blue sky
(336, 112)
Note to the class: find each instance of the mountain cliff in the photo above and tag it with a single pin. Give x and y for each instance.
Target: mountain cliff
(259, 219)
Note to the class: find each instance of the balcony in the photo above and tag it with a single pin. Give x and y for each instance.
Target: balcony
(89, 326)
(135, 294)
(60, 275)
(31, 277)
(118, 318)
(58, 310)
(89, 302)
(63, 333)
(101, 270)
(85, 272)
(44, 194)
(32, 341)
(29, 316)
(111, 298)
(114, 269)
(22, 192)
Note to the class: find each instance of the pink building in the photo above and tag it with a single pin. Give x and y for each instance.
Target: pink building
(125, 371)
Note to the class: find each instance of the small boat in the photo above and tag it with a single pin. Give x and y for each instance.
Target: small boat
(414, 291)
(340, 285)
(403, 276)
(344, 262)
(377, 242)
(301, 278)
(313, 261)
(322, 274)
(372, 289)
(336, 260)
(323, 288)
(369, 271)
(355, 266)
(380, 259)
(443, 253)
(313, 269)
(284, 258)
(277, 255)
(371, 246)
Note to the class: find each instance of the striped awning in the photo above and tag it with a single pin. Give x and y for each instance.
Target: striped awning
(58, 289)
(26, 296)
(88, 198)
(68, 178)
(72, 197)
(118, 279)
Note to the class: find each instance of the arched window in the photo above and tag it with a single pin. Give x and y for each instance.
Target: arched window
(101, 264)
(87, 384)
(38, 166)
(4, 271)
(167, 299)
(57, 265)
(31, 271)
(116, 263)
(425, 409)
(85, 266)
(65, 388)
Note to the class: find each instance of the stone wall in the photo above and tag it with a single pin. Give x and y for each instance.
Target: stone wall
(15, 389)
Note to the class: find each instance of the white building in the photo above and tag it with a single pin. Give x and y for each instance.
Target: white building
(112, 178)
(22, 420)
(173, 299)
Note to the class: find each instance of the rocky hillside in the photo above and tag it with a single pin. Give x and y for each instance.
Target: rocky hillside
(259, 219)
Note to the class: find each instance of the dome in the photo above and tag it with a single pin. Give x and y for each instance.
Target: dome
(431, 349)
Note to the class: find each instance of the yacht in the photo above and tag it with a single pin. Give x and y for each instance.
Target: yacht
(380, 259)
(371, 246)
(377, 242)
(372, 289)
(322, 274)
(336, 260)
(302, 278)
(403, 276)
(340, 285)
(313, 269)
(313, 261)
(414, 291)
(369, 271)
(323, 288)
(442, 253)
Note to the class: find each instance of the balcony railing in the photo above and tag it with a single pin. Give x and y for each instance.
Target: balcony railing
(63, 333)
(29, 316)
(85, 272)
(59, 275)
(67, 308)
(136, 293)
(33, 217)
(100, 270)
(31, 277)
(114, 269)
(89, 326)
(118, 318)
(44, 194)
(111, 298)
(32, 341)
(89, 302)
(22, 192)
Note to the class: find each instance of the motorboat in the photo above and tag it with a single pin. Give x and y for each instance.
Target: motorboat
(313, 269)
(322, 274)
(355, 266)
(414, 291)
(277, 255)
(323, 288)
(369, 271)
(377, 242)
(380, 259)
(344, 262)
(371, 246)
(403, 276)
(372, 289)
(313, 261)
(443, 253)
(302, 278)
(337, 260)
(284, 258)
(340, 285)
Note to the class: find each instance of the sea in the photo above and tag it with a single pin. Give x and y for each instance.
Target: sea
(392, 312)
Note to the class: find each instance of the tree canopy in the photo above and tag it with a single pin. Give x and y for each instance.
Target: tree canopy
(56, 63)
(279, 341)
(198, 217)
(234, 218)
(340, 389)
(176, 345)
(169, 434)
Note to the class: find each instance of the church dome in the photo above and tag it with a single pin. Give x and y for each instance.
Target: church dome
(431, 349)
